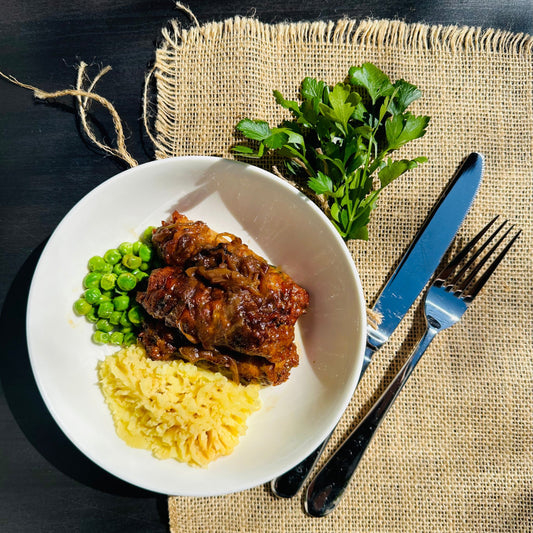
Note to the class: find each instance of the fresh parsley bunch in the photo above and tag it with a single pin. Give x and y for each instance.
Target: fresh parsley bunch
(342, 138)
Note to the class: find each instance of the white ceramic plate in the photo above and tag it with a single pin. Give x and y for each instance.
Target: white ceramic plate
(275, 220)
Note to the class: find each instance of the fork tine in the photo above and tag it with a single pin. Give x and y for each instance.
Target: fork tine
(473, 273)
(492, 267)
(454, 263)
(478, 252)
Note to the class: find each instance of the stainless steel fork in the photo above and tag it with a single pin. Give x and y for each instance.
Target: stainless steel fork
(448, 297)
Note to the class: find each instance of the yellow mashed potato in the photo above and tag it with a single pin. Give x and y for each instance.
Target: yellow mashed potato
(173, 408)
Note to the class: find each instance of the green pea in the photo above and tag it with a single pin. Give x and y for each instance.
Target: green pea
(131, 261)
(116, 337)
(82, 306)
(91, 316)
(119, 268)
(112, 256)
(125, 248)
(144, 266)
(106, 296)
(136, 247)
(147, 234)
(129, 339)
(105, 309)
(101, 337)
(104, 325)
(96, 263)
(107, 268)
(121, 302)
(92, 280)
(108, 281)
(115, 317)
(139, 274)
(126, 281)
(92, 295)
(124, 321)
(145, 253)
(135, 315)
(126, 329)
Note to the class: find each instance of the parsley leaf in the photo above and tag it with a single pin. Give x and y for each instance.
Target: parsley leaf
(394, 169)
(321, 183)
(372, 79)
(342, 105)
(287, 104)
(312, 88)
(401, 129)
(257, 130)
(342, 137)
(405, 94)
(276, 139)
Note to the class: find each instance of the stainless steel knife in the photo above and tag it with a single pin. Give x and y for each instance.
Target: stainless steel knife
(408, 280)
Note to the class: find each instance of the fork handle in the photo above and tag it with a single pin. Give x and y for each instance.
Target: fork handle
(328, 486)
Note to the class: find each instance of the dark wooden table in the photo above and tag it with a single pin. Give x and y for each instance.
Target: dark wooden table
(46, 484)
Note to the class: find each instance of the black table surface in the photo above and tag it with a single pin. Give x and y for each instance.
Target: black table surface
(46, 484)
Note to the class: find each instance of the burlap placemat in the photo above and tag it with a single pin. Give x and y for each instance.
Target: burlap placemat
(456, 451)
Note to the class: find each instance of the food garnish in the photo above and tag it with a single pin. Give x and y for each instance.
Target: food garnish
(341, 138)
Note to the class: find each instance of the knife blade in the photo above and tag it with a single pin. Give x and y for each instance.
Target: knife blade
(425, 253)
(405, 284)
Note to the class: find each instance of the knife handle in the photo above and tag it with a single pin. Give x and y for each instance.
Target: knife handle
(289, 483)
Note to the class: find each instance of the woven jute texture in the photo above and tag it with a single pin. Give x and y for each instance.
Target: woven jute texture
(455, 452)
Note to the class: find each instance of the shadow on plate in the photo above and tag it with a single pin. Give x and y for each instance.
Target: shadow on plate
(28, 408)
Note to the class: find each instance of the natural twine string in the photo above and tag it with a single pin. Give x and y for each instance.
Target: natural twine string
(187, 11)
(84, 98)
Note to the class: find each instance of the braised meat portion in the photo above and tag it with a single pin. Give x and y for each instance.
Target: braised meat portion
(223, 314)
(180, 239)
(163, 343)
(220, 303)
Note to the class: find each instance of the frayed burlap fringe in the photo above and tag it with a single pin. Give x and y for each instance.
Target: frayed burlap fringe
(348, 32)
(372, 34)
